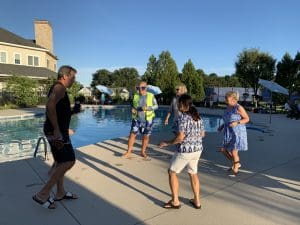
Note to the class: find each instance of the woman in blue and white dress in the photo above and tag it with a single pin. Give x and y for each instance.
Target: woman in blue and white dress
(235, 135)
(189, 149)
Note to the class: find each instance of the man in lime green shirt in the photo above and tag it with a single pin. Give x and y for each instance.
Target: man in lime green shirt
(143, 106)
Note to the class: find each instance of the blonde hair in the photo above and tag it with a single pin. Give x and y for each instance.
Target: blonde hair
(233, 94)
(182, 88)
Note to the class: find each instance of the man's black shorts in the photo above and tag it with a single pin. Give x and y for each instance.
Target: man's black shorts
(65, 154)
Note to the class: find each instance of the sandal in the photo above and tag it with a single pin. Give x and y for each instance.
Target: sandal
(193, 204)
(170, 205)
(231, 168)
(68, 195)
(234, 173)
(48, 204)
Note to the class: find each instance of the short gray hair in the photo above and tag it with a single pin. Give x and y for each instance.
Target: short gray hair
(65, 70)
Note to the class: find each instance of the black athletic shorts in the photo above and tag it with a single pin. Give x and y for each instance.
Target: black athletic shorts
(64, 154)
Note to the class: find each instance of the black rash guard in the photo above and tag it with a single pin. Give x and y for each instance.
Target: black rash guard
(63, 112)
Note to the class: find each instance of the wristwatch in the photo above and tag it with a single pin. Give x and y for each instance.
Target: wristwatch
(238, 122)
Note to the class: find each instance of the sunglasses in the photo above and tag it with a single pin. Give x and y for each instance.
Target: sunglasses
(141, 88)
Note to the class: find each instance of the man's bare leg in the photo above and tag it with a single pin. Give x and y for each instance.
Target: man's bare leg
(57, 175)
(131, 141)
(144, 145)
(60, 190)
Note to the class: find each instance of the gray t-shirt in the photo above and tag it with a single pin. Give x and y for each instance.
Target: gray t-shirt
(174, 108)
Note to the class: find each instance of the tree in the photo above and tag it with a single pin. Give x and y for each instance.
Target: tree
(23, 90)
(286, 71)
(234, 81)
(253, 65)
(193, 81)
(296, 86)
(125, 77)
(103, 77)
(212, 80)
(73, 91)
(167, 75)
(151, 71)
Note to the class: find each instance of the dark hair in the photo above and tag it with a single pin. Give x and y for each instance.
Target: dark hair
(65, 70)
(187, 102)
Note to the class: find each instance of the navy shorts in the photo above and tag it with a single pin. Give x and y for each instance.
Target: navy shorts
(64, 154)
(144, 127)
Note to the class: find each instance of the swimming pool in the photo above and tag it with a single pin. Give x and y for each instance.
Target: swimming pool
(91, 126)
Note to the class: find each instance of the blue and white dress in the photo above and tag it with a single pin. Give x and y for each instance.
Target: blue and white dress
(235, 138)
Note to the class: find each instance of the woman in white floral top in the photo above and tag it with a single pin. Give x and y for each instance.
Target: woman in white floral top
(189, 149)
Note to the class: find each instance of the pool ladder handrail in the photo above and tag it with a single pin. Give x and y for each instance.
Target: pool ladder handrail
(37, 147)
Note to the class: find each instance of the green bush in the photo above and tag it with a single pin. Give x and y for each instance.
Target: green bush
(23, 91)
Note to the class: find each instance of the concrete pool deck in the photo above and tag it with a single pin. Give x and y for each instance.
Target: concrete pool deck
(114, 190)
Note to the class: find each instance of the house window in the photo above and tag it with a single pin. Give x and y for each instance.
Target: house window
(2, 57)
(30, 60)
(54, 67)
(48, 63)
(33, 60)
(36, 61)
(17, 58)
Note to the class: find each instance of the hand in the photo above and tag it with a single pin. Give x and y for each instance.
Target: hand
(166, 121)
(59, 144)
(71, 132)
(233, 124)
(56, 139)
(163, 144)
(57, 135)
(144, 108)
(134, 111)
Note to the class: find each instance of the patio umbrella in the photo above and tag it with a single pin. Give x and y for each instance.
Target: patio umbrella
(154, 89)
(104, 89)
(273, 87)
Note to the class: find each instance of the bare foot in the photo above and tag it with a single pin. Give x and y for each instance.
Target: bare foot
(144, 155)
(126, 155)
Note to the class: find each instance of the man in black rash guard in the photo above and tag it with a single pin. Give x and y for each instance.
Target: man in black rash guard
(56, 129)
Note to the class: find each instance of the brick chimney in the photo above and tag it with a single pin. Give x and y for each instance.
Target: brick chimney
(43, 34)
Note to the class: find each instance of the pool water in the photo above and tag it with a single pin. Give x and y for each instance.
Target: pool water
(91, 126)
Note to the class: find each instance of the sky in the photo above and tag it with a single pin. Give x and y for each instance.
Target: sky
(111, 34)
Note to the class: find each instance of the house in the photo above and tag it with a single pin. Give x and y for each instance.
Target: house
(217, 94)
(24, 57)
(121, 92)
(86, 92)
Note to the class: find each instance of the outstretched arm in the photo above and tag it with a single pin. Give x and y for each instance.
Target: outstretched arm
(178, 139)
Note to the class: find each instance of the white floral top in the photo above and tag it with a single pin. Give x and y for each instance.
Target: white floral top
(192, 129)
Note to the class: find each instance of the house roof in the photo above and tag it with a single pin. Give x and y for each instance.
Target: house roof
(30, 71)
(9, 37)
